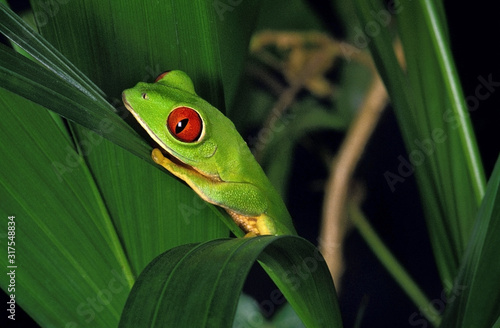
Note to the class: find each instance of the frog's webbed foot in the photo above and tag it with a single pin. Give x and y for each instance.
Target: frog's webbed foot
(253, 225)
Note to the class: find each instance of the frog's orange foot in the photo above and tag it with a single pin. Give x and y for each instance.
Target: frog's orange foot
(157, 156)
(253, 225)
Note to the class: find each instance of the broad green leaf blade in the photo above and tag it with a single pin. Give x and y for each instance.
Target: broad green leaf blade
(235, 23)
(136, 40)
(444, 161)
(180, 288)
(64, 242)
(474, 299)
(298, 269)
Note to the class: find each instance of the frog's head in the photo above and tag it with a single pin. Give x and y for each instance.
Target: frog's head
(176, 118)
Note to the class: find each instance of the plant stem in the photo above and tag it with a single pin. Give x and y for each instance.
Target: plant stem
(392, 265)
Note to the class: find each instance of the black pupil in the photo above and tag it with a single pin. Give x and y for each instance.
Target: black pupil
(181, 125)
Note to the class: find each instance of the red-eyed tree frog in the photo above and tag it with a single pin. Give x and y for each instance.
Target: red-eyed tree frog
(201, 146)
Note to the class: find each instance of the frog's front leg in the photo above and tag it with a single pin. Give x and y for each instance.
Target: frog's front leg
(244, 202)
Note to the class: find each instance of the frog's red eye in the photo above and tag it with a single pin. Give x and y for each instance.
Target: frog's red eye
(185, 124)
(161, 76)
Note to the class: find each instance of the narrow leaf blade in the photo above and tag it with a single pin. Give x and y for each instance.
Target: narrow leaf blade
(477, 290)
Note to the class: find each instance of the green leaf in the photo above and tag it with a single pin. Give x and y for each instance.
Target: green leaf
(433, 13)
(13, 27)
(433, 118)
(160, 299)
(477, 289)
(24, 77)
(206, 40)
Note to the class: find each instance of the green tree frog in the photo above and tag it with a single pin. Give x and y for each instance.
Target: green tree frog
(201, 146)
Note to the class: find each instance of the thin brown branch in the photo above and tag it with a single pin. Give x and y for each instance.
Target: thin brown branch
(334, 221)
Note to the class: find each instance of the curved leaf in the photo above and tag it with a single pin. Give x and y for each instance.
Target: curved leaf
(199, 285)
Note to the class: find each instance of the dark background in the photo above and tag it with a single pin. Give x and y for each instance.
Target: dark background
(398, 216)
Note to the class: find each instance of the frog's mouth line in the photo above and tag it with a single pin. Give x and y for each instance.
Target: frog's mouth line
(178, 162)
(173, 159)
